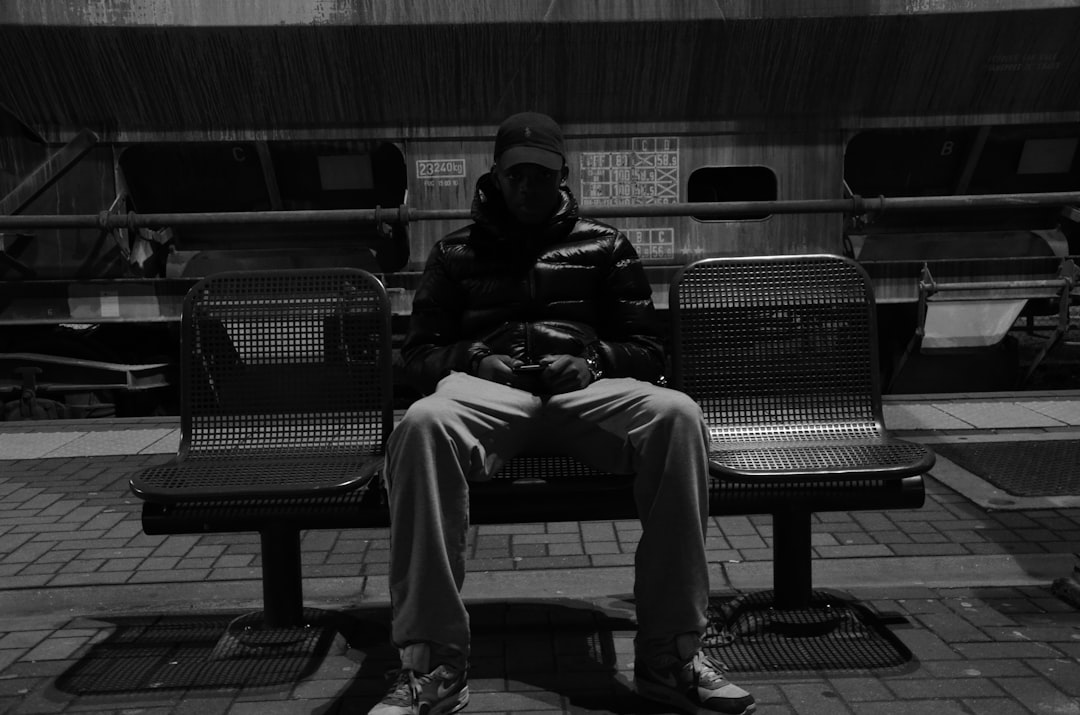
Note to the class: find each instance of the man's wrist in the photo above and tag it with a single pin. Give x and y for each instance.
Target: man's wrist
(477, 358)
(596, 370)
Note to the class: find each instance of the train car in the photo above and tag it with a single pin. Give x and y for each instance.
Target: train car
(277, 112)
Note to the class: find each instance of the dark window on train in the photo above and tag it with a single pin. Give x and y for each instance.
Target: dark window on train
(274, 176)
(907, 163)
(195, 177)
(962, 161)
(710, 184)
(244, 176)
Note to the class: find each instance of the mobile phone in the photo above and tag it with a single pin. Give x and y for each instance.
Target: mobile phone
(527, 369)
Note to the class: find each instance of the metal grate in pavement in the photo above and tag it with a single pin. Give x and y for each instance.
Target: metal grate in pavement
(158, 653)
(749, 635)
(1042, 468)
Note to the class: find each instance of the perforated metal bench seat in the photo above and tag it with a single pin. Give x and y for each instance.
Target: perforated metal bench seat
(780, 459)
(361, 507)
(286, 405)
(780, 352)
(297, 472)
(535, 489)
(730, 497)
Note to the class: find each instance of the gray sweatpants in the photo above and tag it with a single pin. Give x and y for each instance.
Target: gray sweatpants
(469, 427)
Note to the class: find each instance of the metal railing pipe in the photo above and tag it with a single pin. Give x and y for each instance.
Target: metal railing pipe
(404, 214)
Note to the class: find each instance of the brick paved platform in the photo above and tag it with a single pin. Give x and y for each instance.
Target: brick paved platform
(95, 616)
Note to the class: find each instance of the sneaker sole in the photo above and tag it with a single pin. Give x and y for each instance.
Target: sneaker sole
(663, 694)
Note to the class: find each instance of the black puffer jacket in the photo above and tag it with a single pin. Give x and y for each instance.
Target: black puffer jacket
(572, 286)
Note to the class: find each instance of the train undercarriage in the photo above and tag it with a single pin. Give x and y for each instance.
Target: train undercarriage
(143, 147)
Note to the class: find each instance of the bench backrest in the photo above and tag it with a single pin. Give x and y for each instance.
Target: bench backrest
(286, 359)
(778, 346)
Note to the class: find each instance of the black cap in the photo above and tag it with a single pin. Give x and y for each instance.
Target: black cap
(530, 138)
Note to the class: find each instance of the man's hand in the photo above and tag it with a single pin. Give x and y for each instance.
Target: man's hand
(561, 373)
(500, 369)
(497, 368)
(564, 373)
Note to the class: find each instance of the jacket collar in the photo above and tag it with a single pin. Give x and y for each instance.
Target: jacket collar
(490, 213)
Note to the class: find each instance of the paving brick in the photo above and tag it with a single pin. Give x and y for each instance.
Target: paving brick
(928, 549)
(265, 707)
(511, 702)
(211, 551)
(823, 539)
(55, 648)
(598, 531)
(920, 606)
(733, 525)
(89, 579)
(559, 538)
(563, 562)
(37, 569)
(176, 546)
(747, 542)
(926, 646)
(376, 555)
(716, 540)
(814, 698)
(234, 574)
(859, 689)
(15, 582)
(527, 550)
(938, 688)
(26, 553)
(159, 563)
(968, 668)
(1062, 672)
(566, 549)
(890, 536)
(490, 564)
(104, 521)
(492, 541)
(195, 703)
(994, 706)
(1017, 650)
(853, 551)
(952, 628)
(910, 707)
(531, 528)
(21, 640)
(1039, 695)
(602, 560)
(10, 542)
(113, 553)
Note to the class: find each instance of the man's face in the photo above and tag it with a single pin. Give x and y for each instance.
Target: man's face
(531, 192)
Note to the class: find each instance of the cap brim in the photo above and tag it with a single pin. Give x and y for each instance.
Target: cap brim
(530, 155)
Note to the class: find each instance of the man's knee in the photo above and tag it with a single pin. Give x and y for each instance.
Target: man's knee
(675, 406)
(425, 416)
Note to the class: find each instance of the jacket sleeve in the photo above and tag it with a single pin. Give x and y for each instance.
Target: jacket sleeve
(630, 343)
(433, 346)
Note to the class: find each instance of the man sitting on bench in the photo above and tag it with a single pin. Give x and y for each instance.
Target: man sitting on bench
(534, 330)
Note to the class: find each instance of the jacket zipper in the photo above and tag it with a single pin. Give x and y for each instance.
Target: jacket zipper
(528, 323)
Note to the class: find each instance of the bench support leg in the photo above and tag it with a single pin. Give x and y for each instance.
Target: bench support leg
(792, 577)
(283, 592)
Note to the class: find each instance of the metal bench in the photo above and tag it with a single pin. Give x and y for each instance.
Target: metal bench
(781, 354)
(285, 410)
